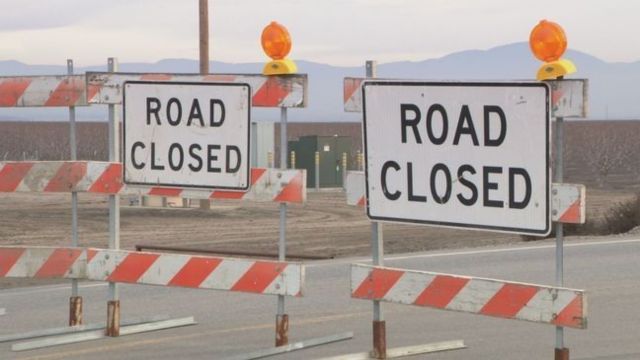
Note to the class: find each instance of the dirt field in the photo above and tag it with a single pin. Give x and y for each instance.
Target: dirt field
(604, 156)
(324, 226)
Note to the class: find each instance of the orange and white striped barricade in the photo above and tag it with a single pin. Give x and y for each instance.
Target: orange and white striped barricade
(267, 91)
(106, 178)
(43, 91)
(146, 268)
(51, 91)
(568, 96)
(509, 300)
(568, 201)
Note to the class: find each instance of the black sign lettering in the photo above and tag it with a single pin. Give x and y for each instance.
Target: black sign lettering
(153, 107)
(137, 165)
(488, 110)
(465, 182)
(465, 126)
(407, 120)
(213, 121)
(445, 124)
(513, 203)
(440, 167)
(412, 196)
(383, 180)
(488, 185)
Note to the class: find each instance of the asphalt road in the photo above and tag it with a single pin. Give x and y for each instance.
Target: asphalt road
(232, 324)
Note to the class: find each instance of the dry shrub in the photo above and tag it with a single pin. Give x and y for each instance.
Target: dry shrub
(619, 219)
(622, 217)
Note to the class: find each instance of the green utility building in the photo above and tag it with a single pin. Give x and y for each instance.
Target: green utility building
(330, 149)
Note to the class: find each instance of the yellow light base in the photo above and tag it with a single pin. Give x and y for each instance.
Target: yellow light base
(280, 67)
(553, 70)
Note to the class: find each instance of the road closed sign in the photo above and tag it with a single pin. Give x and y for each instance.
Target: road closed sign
(463, 155)
(187, 134)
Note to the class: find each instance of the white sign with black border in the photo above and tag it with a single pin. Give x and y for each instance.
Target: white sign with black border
(187, 134)
(461, 155)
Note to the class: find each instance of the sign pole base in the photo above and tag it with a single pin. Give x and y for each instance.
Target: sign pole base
(561, 354)
(379, 340)
(282, 330)
(113, 318)
(75, 310)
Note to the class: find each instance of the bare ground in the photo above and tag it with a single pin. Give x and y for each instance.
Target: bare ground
(324, 226)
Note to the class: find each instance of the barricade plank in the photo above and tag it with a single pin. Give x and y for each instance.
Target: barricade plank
(46, 90)
(144, 268)
(106, 178)
(268, 91)
(568, 96)
(510, 300)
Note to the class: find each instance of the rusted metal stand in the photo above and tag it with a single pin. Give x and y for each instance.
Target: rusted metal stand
(75, 310)
(562, 354)
(379, 340)
(282, 330)
(113, 318)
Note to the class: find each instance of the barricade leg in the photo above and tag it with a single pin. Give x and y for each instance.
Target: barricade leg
(562, 354)
(379, 340)
(282, 330)
(75, 310)
(113, 318)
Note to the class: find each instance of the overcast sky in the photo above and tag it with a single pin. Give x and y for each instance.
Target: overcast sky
(338, 32)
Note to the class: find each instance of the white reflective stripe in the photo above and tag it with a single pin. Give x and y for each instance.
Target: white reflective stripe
(79, 267)
(355, 187)
(30, 262)
(539, 308)
(563, 299)
(39, 176)
(474, 295)
(104, 263)
(287, 283)
(163, 269)
(295, 96)
(226, 274)
(359, 274)
(94, 171)
(409, 287)
(255, 82)
(39, 90)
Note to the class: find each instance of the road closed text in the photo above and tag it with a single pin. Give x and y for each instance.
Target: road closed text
(467, 155)
(187, 134)
(175, 156)
(477, 184)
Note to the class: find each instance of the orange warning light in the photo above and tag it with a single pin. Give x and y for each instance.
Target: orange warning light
(548, 41)
(276, 43)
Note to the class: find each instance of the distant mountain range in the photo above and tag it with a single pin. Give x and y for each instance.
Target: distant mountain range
(613, 87)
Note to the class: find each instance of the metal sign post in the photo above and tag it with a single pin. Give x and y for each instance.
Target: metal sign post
(75, 301)
(113, 304)
(377, 254)
(282, 319)
(561, 353)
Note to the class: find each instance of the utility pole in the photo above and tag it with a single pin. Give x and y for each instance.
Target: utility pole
(204, 36)
(204, 58)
